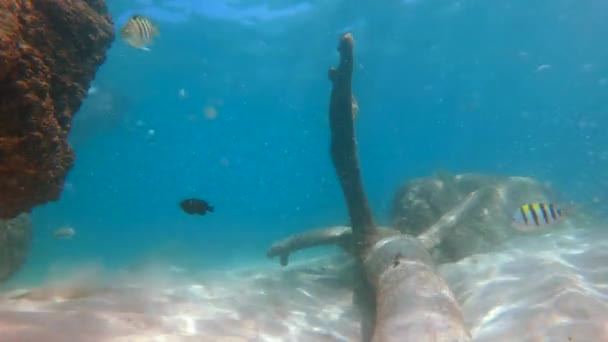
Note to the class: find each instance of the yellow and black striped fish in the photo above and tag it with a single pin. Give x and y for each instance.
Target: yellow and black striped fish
(139, 32)
(532, 216)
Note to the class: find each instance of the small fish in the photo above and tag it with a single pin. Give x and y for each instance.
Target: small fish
(543, 67)
(66, 232)
(195, 206)
(533, 216)
(139, 32)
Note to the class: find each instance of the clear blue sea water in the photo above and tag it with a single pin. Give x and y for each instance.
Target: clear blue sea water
(511, 87)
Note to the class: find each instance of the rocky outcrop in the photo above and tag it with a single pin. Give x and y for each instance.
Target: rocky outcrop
(15, 240)
(49, 53)
(477, 209)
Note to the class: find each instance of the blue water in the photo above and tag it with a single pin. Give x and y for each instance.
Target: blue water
(510, 87)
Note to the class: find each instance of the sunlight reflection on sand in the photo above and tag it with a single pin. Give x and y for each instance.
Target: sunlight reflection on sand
(549, 288)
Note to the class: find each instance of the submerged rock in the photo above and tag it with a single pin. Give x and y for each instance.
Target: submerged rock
(420, 203)
(49, 53)
(15, 240)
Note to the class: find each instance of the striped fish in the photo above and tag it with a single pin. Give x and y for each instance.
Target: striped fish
(533, 216)
(139, 32)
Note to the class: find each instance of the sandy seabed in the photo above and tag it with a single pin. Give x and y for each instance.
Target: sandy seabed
(551, 287)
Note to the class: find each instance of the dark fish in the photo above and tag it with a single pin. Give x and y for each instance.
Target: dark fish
(195, 206)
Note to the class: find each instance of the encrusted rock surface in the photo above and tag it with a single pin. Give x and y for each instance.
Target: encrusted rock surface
(49, 53)
(420, 203)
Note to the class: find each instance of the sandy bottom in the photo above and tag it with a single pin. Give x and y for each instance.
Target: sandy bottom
(543, 288)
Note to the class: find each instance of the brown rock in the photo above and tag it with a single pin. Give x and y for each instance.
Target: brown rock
(49, 53)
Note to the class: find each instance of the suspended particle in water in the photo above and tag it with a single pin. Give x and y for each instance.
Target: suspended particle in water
(150, 136)
(210, 112)
(543, 67)
(523, 54)
(68, 187)
(224, 162)
(182, 93)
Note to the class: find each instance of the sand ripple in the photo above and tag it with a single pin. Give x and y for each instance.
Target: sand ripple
(548, 288)
(543, 288)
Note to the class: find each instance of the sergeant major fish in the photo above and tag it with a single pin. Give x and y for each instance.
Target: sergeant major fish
(534, 216)
(139, 32)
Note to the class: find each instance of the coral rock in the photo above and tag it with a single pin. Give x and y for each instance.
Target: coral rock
(477, 227)
(49, 53)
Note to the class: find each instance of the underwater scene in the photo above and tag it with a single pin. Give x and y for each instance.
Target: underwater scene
(303, 170)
